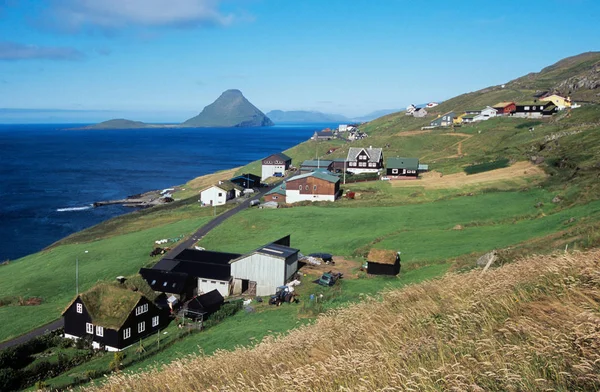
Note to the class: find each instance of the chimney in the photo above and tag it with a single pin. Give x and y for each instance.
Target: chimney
(220, 182)
(370, 147)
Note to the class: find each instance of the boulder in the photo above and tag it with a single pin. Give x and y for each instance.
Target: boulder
(490, 258)
(557, 199)
(457, 227)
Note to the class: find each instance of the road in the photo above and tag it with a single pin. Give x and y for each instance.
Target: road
(201, 232)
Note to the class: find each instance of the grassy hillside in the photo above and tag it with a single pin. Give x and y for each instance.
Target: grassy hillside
(528, 326)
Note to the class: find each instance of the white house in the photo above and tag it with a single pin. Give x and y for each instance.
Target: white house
(275, 165)
(364, 160)
(206, 285)
(218, 194)
(266, 268)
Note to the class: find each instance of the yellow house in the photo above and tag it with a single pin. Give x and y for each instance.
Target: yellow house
(559, 101)
(458, 120)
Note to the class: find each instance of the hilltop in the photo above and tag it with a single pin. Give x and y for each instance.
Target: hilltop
(231, 109)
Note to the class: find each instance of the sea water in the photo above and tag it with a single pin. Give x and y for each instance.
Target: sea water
(50, 175)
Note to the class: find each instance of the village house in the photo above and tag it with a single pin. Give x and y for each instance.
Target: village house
(114, 316)
(534, 109)
(246, 180)
(383, 262)
(326, 134)
(504, 108)
(346, 127)
(364, 160)
(262, 271)
(275, 165)
(276, 194)
(314, 186)
(445, 120)
(560, 102)
(201, 306)
(419, 112)
(356, 135)
(339, 165)
(312, 165)
(218, 194)
(397, 168)
(473, 115)
(410, 110)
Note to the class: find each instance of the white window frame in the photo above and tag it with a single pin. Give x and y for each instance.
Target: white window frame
(89, 328)
(99, 331)
(143, 308)
(79, 307)
(155, 321)
(394, 171)
(141, 326)
(126, 333)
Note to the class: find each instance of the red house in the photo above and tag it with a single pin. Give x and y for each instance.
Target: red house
(505, 108)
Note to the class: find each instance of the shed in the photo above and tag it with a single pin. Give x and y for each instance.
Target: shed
(276, 194)
(383, 262)
(402, 167)
(246, 180)
(203, 305)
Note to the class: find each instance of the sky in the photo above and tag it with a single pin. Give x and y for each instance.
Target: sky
(164, 60)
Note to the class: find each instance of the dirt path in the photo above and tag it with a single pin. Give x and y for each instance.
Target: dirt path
(435, 180)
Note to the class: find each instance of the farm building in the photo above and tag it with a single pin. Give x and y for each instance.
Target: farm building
(312, 165)
(383, 262)
(444, 120)
(247, 180)
(265, 269)
(275, 165)
(419, 112)
(534, 109)
(314, 186)
(473, 115)
(276, 194)
(218, 194)
(326, 134)
(504, 108)
(179, 284)
(560, 102)
(203, 305)
(113, 315)
(402, 167)
(364, 160)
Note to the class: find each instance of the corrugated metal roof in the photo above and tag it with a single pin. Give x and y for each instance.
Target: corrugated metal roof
(402, 163)
(280, 190)
(277, 250)
(316, 163)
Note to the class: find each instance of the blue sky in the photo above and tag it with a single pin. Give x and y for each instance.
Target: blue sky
(164, 60)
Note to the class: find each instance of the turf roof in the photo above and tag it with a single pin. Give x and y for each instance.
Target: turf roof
(109, 305)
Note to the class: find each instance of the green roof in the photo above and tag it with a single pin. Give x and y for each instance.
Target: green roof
(532, 103)
(474, 110)
(280, 190)
(317, 174)
(470, 116)
(110, 305)
(402, 163)
(317, 163)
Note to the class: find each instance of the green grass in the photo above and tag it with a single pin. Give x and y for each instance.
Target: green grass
(312, 227)
(50, 274)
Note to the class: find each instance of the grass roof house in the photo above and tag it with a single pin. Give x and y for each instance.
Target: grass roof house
(114, 315)
(383, 262)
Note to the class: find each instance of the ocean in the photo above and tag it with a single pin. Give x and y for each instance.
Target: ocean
(50, 175)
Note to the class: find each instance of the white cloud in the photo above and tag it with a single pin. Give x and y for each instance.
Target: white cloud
(13, 51)
(114, 14)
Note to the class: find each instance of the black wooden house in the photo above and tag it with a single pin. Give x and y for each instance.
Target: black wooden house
(246, 180)
(383, 262)
(402, 167)
(114, 316)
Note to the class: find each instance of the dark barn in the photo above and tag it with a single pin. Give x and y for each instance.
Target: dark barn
(246, 180)
(383, 262)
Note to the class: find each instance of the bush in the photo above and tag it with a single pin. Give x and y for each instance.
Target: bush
(227, 310)
(9, 379)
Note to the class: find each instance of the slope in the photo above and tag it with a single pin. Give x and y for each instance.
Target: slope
(527, 326)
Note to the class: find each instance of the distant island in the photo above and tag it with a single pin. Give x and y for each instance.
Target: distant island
(304, 116)
(230, 110)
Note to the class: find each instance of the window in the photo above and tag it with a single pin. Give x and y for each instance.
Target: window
(79, 308)
(143, 308)
(222, 283)
(534, 108)
(141, 327)
(394, 171)
(274, 197)
(300, 187)
(127, 333)
(371, 164)
(526, 108)
(99, 330)
(314, 187)
(89, 328)
(220, 194)
(154, 321)
(213, 282)
(306, 188)
(204, 280)
(362, 164)
(362, 157)
(153, 282)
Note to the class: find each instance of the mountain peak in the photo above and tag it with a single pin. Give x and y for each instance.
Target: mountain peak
(231, 109)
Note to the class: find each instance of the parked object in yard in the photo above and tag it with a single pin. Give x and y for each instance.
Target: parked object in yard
(254, 203)
(326, 257)
(283, 294)
(329, 278)
(159, 251)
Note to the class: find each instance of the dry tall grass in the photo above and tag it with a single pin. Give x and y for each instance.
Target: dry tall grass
(532, 325)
